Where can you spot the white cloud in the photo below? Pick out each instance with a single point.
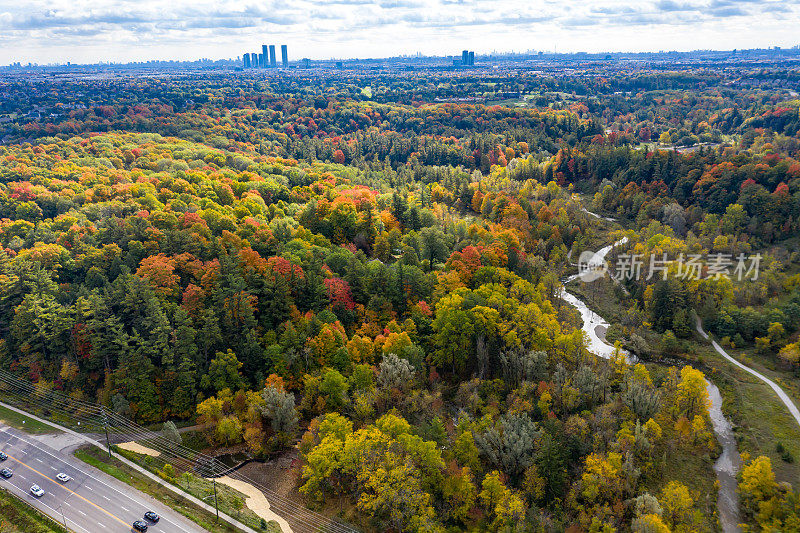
(91, 30)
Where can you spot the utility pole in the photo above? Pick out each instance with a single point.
(105, 427)
(62, 516)
(215, 497)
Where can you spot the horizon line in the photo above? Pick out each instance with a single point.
(533, 54)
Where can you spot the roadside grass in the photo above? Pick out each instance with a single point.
(198, 487)
(22, 422)
(16, 516)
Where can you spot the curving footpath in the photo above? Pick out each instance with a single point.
(779, 391)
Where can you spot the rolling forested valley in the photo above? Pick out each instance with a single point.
(366, 274)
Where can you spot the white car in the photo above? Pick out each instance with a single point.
(62, 477)
(37, 491)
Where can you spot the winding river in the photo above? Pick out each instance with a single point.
(728, 463)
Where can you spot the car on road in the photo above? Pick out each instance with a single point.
(37, 491)
(3, 456)
(153, 517)
(140, 526)
(62, 477)
(6, 473)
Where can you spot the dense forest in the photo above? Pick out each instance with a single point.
(288, 260)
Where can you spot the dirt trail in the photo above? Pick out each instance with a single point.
(135, 447)
(774, 386)
(256, 501)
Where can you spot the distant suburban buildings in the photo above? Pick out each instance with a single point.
(267, 58)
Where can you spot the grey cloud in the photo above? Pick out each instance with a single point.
(368, 19)
(671, 6)
(613, 10)
(386, 4)
(580, 21)
(52, 20)
(186, 19)
(727, 11)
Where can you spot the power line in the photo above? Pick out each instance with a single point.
(211, 464)
(286, 508)
(185, 459)
(216, 469)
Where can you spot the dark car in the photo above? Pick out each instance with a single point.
(140, 526)
(150, 515)
(6, 473)
(3, 456)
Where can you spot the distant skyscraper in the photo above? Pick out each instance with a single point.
(465, 57)
(265, 53)
(246, 60)
(471, 60)
(253, 60)
(306, 62)
(284, 56)
(272, 62)
(262, 60)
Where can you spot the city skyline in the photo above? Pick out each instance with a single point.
(60, 32)
(260, 60)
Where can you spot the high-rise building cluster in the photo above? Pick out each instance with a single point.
(467, 58)
(267, 58)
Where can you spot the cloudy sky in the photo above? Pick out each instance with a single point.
(101, 30)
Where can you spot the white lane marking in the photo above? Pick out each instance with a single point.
(55, 513)
(126, 510)
(173, 523)
(84, 514)
(41, 447)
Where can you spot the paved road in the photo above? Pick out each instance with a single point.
(91, 501)
(779, 391)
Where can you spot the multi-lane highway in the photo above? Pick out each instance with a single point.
(91, 501)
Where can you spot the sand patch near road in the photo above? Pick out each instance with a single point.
(135, 447)
(256, 501)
